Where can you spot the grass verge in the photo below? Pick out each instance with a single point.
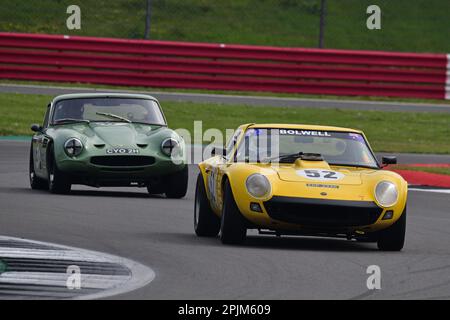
(407, 25)
(387, 131)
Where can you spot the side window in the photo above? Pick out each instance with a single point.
(233, 142)
(46, 118)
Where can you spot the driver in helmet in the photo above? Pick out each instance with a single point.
(69, 109)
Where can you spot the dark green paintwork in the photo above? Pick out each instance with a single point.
(97, 137)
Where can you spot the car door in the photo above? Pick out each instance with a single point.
(40, 144)
(215, 170)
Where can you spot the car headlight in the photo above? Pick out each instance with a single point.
(386, 194)
(258, 185)
(73, 147)
(170, 147)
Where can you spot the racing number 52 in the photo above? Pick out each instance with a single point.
(321, 174)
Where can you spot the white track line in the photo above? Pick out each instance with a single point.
(431, 190)
(224, 96)
(50, 255)
(88, 281)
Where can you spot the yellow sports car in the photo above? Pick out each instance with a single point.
(300, 180)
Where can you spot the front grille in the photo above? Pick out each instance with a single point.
(322, 212)
(123, 161)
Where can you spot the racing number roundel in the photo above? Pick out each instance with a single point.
(320, 174)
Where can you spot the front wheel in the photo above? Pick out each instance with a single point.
(393, 238)
(58, 182)
(177, 184)
(206, 223)
(233, 228)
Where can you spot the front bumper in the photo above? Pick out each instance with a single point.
(317, 213)
(118, 170)
(318, 216)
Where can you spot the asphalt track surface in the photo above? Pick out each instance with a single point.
(239, 99)
(158, 233)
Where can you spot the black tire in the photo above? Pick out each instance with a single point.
(206, 223)
(58, 182)
(36, 183)
(177, 184)
(233, 229)
(156, 188)
(393, 238)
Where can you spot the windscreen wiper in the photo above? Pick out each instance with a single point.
(288, 158)
(70, 120)
(353, 165)
(111, 115)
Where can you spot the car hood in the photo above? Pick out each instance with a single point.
(111, 134)
(320, 172)
(118, 134)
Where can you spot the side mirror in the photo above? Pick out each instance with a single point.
(218, 151)
(389, 160)
(36, 128)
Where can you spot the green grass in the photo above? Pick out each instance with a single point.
(445, 171)
(419, 25)
(387, 131)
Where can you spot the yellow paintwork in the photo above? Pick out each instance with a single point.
(358, 184)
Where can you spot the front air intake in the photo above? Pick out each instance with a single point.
(123, 161)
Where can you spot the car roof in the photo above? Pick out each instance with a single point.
(102, 95)
(300, 126)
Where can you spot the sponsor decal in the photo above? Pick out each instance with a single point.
(312, 133)
(357, 137)
(320, 174)
(212, 185)
(319, 185)
(122, 151)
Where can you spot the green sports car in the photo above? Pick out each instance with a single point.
(107, 140)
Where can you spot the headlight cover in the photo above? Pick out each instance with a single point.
(170, 147)
(386, 194)
(258, 186)
(73, 147)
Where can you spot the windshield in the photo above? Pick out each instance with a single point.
(337, 148)
(108, 109)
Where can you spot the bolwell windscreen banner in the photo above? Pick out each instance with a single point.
(236, 159)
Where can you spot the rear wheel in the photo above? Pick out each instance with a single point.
(206, 223)
(177, 184)
(233, 228)
(58, 182)
(36, 183)
(393, 238)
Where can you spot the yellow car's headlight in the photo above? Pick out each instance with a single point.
(258, 186)
(386, 194)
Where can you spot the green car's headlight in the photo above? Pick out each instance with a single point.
(386, 194)
(73, 147)
(170, 147)
(258, 186)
